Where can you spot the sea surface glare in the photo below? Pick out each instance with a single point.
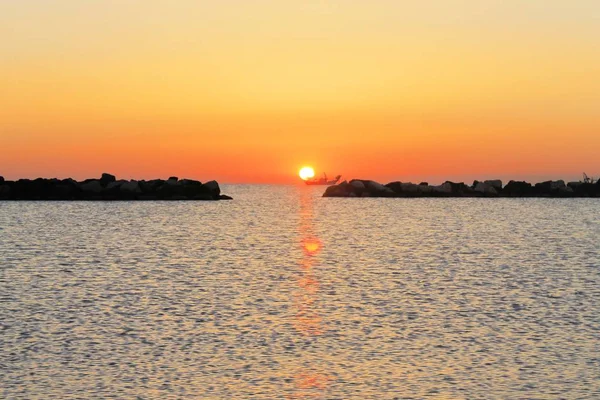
(282, 294)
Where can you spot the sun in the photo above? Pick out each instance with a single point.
(306, 173)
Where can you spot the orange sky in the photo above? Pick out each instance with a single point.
(249, 91)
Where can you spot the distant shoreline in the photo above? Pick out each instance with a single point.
(108, 188)
(486, 189)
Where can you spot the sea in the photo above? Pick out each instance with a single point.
(283, 294)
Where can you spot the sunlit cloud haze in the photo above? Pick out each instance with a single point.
(249, 91)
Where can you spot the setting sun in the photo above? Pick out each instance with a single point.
(306, 173)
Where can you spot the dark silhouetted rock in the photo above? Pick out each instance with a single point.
(553, 189)
(1, 179)
(444, 189)
(357, 185)
(225, 197)
(107, 178)
(213, 187)
(485, 189)
(4, 192)
(131, 187)
(92, 187)
(495, 183)
(344, 189)
(518, 189)
(410, 189)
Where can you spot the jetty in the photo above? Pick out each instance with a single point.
(488, 188)
(107, 187)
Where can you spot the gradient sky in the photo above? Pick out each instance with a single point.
(249, 91)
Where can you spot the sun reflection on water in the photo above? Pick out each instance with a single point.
(308, 382)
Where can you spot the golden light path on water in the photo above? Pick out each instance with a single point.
(311, 382)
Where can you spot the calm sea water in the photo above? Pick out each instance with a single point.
(282, 294)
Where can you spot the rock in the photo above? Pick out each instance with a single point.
(560, 184)
(1, 179)
(495, 183)
(574, 185)
(485, 188)
(93, 186)
(344, 189)
(358, 185)
(444, 189)
(185, 182)
(172, 180)
(587, 190)
(411, 187)
(549, 188)
(373, 186)
(460, 189)
(4, 191)
(213, 187)
(425, 190)
(225, 197)
(517, 189)
(107, 178)
(411, 190)
(115, 185)
(131, 187)
(396, 187)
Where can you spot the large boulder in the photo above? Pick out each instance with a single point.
(93, 186)
(4, 192)
(396, 187)
(518, 189)
(116, 185)
(213, 187)
(485, 189)
(376, 189)
(460, 189)
(344, 189)
(495, 183)
(357, 185)
(405, 189)
(373, 186)
(425, 189)
(444, 189)
(551, 188)
(1, 179)
(410, 189)
(574, 185)
(131, 187)
(106, 179)
(150, 187)
(186, 182)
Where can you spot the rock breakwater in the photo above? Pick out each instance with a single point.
(489, 188)
(107, 187)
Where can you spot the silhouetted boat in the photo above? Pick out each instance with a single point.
(323, 180)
